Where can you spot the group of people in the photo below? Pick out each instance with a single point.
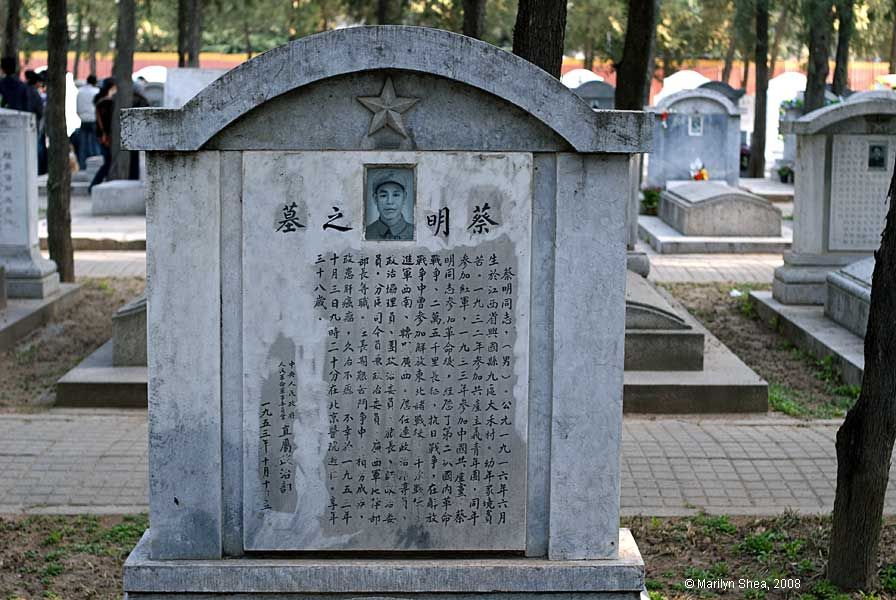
(94, 104)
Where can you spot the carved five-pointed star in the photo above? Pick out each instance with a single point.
(387, 109)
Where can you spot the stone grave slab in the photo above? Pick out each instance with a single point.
(129, 334)
(707, 208)
(849, 295)
(118, 197)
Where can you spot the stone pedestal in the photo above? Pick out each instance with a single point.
(28, 275)
(119, 197)
(849, 296)
(129, 334)
(706, 208)
(844, 163)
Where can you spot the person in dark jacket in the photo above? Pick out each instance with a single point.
(105, 106)
(13, 93)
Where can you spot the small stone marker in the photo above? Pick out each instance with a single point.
(845, 155)
(598, 94)
(693, 125)
(707, 208)
(376, 329)
(28, 275)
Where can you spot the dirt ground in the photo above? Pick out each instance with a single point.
(30, 370)
(799, 385)
(80, 558)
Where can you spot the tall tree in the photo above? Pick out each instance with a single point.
(632, 71)
(122, 70)
(780, 30)
(91, 44)
(539, 33)
(844, 34)
(474, 18)
(819, 16)
(729, 53)
(893, 43)
(865, 440)
(59, 218)
(183, 24)
(194, 33)
(12, 31)
(757, 146)
(79, 26)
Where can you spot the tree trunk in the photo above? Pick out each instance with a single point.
(150, 40)
(194, 34)
(79, 25)
(474, 18)
(819, 42)
(539, 33)
(780, 27)
(382, 12)
(757, 146)
(865, 440)
(893, 41)
(122, 70)
(91, 46)
(745, 76)
(633, 71)
(729, 54)
(588, 51)
(247, 40)
(844, 34)
(59, 218)
(183, 24)
(13, 30)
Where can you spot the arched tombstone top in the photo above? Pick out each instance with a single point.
(698, 100)
(874, 115)
(723, 88)
(872, 95)
(472, 67)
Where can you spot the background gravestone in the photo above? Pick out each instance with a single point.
(599, 95)
(28, 274)
(694, 125)
(364, 334)
(844, 164)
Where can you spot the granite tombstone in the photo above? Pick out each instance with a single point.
(599, 95)
(844, 163)
(364, 335)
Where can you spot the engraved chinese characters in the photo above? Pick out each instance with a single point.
(386, 381)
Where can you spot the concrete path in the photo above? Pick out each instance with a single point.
(742, 268)
(76, 461)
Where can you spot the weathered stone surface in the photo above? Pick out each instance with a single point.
(347, 51)
(699, 124)
(118, 197)
(843, 166)
(28, 275)
(599, 95)
(2, 287)
(849, 295)
(182, 84)
(129, 334)
(707, 208)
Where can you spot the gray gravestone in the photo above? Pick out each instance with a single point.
(695, 125)
(28, 275)
(733, 94)
(363, 334)
(118, 197)
(129, 334)
(2, 287)
(599, 95)
(844, 163)
(849, 295)
(184, 83)
(707, 208)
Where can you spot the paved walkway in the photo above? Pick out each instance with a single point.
(742, 268)
(76, 461)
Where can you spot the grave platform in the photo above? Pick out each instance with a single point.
(664, 239)
(810, 330)
(97, 383)
(80, 187)
(770, 189)
(119, 232)
(418, 578)
(23, 315)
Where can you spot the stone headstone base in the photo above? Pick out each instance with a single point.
(97, 383)
(810, 330)
(120, 197)
(44, 286)
(508, 578)
(22, 316)
(802, 279)
(664, 239)
(849, 296)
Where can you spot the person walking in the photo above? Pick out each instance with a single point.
(104, 102)
(88, 145)
(35, 105)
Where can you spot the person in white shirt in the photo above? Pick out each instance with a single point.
(88, 143)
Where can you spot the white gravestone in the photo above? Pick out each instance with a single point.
(184, 83)
(28, 275)
(395, 324)
(844, 161)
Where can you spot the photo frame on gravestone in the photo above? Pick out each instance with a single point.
(386, 388)
(389, 202)
(877, 156)
(695, 125)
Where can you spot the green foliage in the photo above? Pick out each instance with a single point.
(782, 399)
(758, 544)
(714, 525)
(887, 577)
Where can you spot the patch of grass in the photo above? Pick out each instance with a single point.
(784, 399)
(720, 524)
(759, 544)
(887, 577)
(825, 590)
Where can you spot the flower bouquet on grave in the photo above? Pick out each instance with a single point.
(698, 171)
(664, 118)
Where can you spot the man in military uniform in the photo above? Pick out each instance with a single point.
(390, 196)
